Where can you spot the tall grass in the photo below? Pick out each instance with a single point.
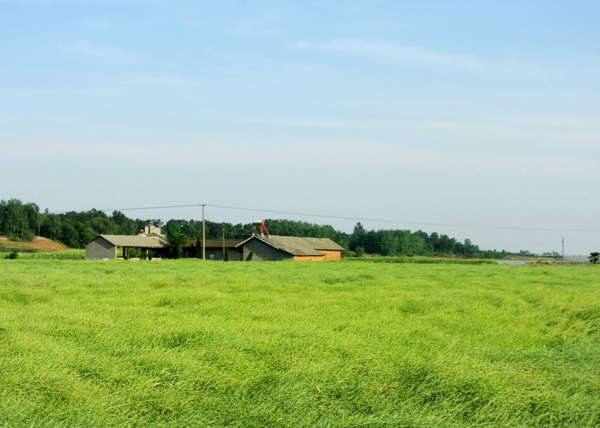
(10, 248)
(192, 343)
(423, 260)
(50, 255)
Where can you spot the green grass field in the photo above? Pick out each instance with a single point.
(49, 255)
(191, 343)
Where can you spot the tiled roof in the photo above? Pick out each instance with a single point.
(299, 246)
(138, 241)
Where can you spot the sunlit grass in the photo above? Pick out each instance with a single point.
(92, 343)
(49, 255)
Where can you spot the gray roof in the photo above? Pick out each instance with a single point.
(299, 246)
(138, 241)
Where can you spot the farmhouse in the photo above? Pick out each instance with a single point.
(255, 248)
(105, 246)
(290, 247)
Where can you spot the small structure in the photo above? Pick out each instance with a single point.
(259, 227)
(105, 246)
(290, 248)
(215, 249)
(151, 229)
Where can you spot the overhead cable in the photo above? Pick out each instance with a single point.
(466, 226)
(407, 222)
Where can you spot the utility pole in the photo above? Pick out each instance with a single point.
(563, 250)
(203, 234)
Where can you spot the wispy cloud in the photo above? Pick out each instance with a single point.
(96, 25)
(173, 81)
(398, 52)
(420, 56)
(578, 132)
(332, 156)
(258, 28)
(109, 54)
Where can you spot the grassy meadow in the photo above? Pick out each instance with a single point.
(72, 254)
(192, 343)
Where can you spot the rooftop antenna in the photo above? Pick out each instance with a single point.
(259, 226)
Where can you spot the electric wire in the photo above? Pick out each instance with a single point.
(407, 222)
(376, 220)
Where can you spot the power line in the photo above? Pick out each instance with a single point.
(407, 222)
(152, 208)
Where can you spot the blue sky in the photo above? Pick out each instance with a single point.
(455, 112)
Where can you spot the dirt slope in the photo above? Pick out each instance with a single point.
(38, 243)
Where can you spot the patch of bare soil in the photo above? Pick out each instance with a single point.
(38, 243)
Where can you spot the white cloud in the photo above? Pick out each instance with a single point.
(424, 57)
(526, 130)
(109, 54)
(165, 81)
(311, 155)
(397, 52)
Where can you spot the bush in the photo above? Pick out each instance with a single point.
(134, 253)
(249, 258)
(13, 255)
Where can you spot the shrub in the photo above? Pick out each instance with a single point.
(249, 258)
(133, 253)
(13, 255)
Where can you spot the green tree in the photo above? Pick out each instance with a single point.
(69, 236)
(32, 212)
(469, 249)
(594, 257)
(358, 236)
(14, 218)
(176, 242)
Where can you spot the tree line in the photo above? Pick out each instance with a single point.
(23, 221)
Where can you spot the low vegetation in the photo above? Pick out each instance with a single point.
(51, 255)
(426, 260)
(192, 343)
